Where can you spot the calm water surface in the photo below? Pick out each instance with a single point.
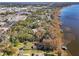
(70, 20)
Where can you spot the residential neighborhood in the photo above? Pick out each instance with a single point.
(35, 29)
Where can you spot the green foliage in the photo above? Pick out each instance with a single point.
(24, 34)
(25, 22)
(39, 12)
(24, 37)
(12, 39)
(6, 13)
(22, 31)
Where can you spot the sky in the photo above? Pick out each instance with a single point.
(38, 0)
(25, 0)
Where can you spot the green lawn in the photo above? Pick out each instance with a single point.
(28, 51)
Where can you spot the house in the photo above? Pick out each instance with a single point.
(2, 24)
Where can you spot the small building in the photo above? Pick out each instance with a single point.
(23, 13)
(2, 24)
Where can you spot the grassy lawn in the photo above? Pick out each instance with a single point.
(19, 45)
(28, 51)
(29, 45)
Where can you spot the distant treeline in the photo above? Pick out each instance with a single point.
(21, 4)
(49, 4)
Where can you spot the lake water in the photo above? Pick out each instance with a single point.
(70, 20)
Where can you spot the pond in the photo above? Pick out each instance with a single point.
(70, 19)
